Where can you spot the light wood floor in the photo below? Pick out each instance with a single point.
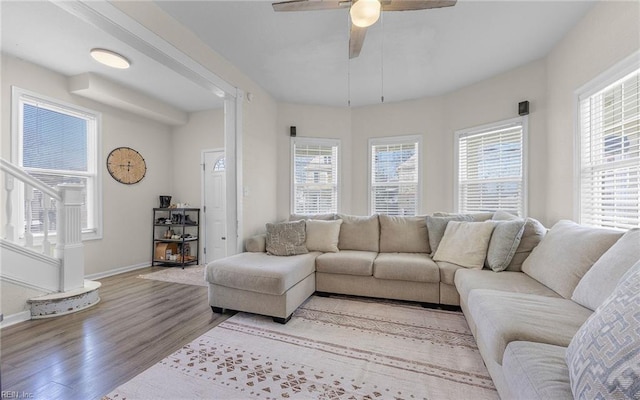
(85, 355)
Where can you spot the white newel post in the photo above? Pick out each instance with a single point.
(9, 232)
(69, 247)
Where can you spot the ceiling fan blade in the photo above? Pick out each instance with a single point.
(310, 5)
(408, 5)
(356, 40)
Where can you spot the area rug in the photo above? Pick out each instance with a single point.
(192, 275)
(332, 348)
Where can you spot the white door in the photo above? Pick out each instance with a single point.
(214, 206)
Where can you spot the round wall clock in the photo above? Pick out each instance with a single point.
(126, 165)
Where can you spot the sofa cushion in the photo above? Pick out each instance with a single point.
(604, 356)
(467, 280)
(465, 243)
(286, 238)
(566, 253)
(505, 240)
(256, 243)
(503, 317)
(436, 225)
(323, 235)
(359, 233)
(533, 233)
(598, 283)
(347, 262)
(414, 267)
(536, 371)
(447, 271)
(261, 272)
(403, 234)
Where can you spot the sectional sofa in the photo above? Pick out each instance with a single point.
(528, 293)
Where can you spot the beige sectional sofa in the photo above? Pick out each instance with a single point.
(523, 317)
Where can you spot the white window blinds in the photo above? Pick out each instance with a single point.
(315, 176)
(395, 176)
(491, 168)
(610, 155)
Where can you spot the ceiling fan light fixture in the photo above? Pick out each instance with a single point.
(365, 13)
(110, 58)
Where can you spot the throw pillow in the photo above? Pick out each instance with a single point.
(286, 238)
(566, 253)
(323, 235)
(359, 233)
(465, 243)
(598, 283)
(403, 234)
(504, 243)
(603, 357)
(436, 225)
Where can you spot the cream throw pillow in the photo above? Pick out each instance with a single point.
(465, 243)
(323, 235)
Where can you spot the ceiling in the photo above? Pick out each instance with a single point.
(302, 57)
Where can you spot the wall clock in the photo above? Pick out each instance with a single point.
(126, 165)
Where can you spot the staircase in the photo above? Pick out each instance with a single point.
(46, 267)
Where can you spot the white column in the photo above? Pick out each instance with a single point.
(28, 212)
(69, 247)
(9, 231)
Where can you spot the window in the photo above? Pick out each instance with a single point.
(57, 143)
(491, 168)
(609, 159)
(394, 177)
(315, 176)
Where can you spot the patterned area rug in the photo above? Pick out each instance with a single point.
(333, 348)
(192, 275)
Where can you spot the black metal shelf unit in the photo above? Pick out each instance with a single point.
(176, 236)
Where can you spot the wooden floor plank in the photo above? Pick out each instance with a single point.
(85, 355)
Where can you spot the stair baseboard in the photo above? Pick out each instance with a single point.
(57, 304)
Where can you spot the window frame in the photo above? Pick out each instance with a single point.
(93, 191)
(319, 142)
(600, 83)
(522, 121)
(395, 140)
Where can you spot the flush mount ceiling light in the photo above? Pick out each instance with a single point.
(110, 58)
(365, 13)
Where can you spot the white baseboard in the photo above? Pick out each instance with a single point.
(15, 318)
(116, 271)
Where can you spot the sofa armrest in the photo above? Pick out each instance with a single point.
(256, 244)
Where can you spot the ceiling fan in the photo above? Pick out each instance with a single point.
(364, 13)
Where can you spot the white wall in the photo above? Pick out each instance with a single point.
(205, 130)
(609, 33)
(127, 208)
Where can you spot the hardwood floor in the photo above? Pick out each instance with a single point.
(85, 355)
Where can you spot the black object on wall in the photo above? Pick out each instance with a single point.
(523, 108)
(292, 131)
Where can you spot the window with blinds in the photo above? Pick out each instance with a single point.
(490, 168)
(610, 154)
(57, 144)
(315, 176)
(395, 175)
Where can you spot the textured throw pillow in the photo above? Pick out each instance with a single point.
(323, 235)
(598, 283)
(566, 253)
(286, 238)
(436, 225)
(359, 233)
(403, 234)
(504, 243)
(604, 355)
(465, 243)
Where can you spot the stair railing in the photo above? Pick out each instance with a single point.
(68, 201)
